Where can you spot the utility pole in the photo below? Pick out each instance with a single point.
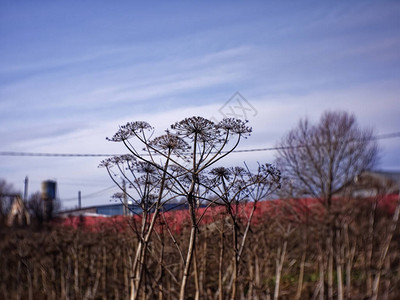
(79, 200)
(26, 189)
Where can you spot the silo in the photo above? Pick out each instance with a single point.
(48, 195)
(49, 189)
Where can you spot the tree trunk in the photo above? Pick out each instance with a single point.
(339, 266)
(350, 252)
(329, 246)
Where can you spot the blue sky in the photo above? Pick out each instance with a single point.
(72, 71)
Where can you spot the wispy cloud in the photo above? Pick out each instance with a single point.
(67, 82)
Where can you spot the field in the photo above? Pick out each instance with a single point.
(294, 250)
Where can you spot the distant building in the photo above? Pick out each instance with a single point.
(115, 210)
(18, 215)
(373, 183)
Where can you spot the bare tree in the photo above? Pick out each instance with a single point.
(320, 160)
(35, 207)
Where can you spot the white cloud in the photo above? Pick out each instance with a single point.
(288, 62)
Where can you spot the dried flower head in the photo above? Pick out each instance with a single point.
(268, 175)
(144, 167)
(205, 130)
(221, 172)
(235, 126)
(170, 142)
(118, 159)
(129, 130)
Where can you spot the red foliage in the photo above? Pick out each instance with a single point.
(293, 209)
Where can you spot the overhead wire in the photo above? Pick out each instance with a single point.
(93, 194)
(38, 154)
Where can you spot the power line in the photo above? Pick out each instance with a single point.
(13, 153)
(89, 195)
(377, 137)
